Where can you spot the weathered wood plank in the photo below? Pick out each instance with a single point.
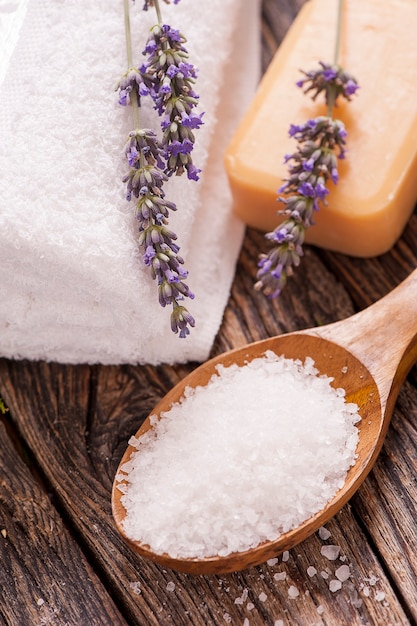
(82, 489)
(314, 298)
(44, 575)
(367, 280)
(75, 421)
(387, 503)
(276, 19)
(71, 411)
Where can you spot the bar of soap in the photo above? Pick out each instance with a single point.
(377, 190)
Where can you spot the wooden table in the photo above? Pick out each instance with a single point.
(62, 562)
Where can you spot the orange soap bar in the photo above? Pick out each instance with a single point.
(377, 189)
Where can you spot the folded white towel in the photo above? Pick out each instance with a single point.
(73, 286)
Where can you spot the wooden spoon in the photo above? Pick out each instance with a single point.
(368, 354)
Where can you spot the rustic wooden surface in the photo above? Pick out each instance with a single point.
(63, 563)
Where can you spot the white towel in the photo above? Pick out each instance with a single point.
(73, 286)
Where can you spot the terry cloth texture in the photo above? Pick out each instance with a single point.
(73, 285)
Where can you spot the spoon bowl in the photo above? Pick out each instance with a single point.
(363, 357)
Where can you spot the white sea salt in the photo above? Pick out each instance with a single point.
(272, 562)
(262, 596)
(335, 585)
(293, 592)
(285, 556)
(251, 455)
(324, 533)
(170, 586)
(343, 573)
(355, 600)
(135, 587)
(372, 580)
(280, 576)
(330, 552)
(311, 571)
(242, 599)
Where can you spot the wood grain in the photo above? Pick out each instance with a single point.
(67, 429)
(44, 574)
(204, 597)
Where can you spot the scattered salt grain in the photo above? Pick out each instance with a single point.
(324, 533)
(250, 606)
(272, 562)
(320, 609)
(242, 599)
(272, 425)
(379, 596)
(342, 573)
(262, 596)
(311, 571)
(171, 586)
(135, 587)
(330, 552)
(293, 591)
(372, 580)
(285, 556)
(227, 618)
(324, 574)
(40, 602)
(279, 622)
(355, 600)
(245, 622)
(335, 585)
(280, 576)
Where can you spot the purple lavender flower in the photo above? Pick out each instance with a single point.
(166, 77)
(131, 81)
(144, 181)
(320, 142)
(170, 77)
(332, 79)
(180, 320)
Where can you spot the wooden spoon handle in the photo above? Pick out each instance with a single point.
(383, 336)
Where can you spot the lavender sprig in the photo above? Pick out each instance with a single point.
(321, 142)
(144, 182)
(333, 80)
(312, 165)
(146, 158)
(169, 77)
(131, 81)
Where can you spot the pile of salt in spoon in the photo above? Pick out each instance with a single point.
(258, 450)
